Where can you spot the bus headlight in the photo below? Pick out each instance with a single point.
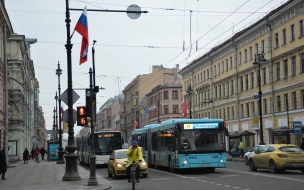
(185, 162)
(222, 161)
(119, 165)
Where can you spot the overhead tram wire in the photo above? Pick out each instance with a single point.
(184, 27)
(197, 25)
(197, 40)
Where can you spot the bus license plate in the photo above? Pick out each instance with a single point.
(204, 165)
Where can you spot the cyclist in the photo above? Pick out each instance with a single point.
(134, 155)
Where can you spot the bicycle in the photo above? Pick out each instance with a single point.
(133, 173)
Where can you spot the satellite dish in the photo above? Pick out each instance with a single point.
(136, 8)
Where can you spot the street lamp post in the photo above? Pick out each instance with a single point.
(158, 106)
(259, 58)
(60, 159)
(54, 121)
(71, 169)
(56, 109)
(189, 91)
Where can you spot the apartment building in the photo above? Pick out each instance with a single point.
(225, 80)
(137, 89)
(170, 102)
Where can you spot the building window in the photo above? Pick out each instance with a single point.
(256, 48)
(293, 65)
(240, 56)
(252, 79)
(175, 108)
(228, 113)
(278, 71)
(301, 31)
(264, 75)
(232, 89)
(219, 68)
(220, 91)
(227, 88)
(258, 75)
(226, 64)
(252, 108)
(224, 114)
(294, 100)
(245, 55)
(223, 67)
(292, 36)
(284, 36)
(285, 68)
(276, 37)
(250, 53)
(214, 70)
(166, 110)
(262, 44)
(265, 106)
(247, 109)
(221, 114)
(207, 74)
(279, 103)
(204, 75)
(246, 82)
(242, 111)
(216, 115)
(302, 63)
(175, 94)
(241, 84)
(286, 102)
(166, 95)
(232, 112)
(223, 86)
(302, 98)
(230, 62)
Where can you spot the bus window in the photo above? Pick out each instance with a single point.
(154, 141)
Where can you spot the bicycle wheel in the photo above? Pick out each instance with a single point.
(133, 178)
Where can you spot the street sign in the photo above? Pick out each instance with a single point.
(255, 120)
(297, 127)
(257, 96)
(142, 111)
(66, 116)
(147, 111)
(64, 96)
(52, 132)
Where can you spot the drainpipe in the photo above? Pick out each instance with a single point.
(236, 79)
(271, 66)
(211, 86)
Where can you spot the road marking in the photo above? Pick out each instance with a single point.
(229, 175)
(227, 185)
(161, 179)
(211, 182)
(264, 175)
(218, 184)
(236, 187)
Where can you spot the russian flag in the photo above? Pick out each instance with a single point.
(82, 28)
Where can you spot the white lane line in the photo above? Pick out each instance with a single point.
(264, 175)
(211, 182)
(218, 184)
(205, 181)
(227, 185)
(236, 187)
(229, 175)
(161, 179)
(169, 173)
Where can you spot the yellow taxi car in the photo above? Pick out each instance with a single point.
(117, 164)
(277, 158)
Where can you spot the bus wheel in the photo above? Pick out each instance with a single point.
(172, 169)
(155, 162)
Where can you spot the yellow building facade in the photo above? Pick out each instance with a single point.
(225, 80)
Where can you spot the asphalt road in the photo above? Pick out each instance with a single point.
(235, 176)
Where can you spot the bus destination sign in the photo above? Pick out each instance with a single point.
(201, 126)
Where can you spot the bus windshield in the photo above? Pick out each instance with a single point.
(107, 142)
(202, 140)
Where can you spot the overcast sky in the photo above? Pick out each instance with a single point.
(123, 47)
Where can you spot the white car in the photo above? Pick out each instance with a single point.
(250, 152)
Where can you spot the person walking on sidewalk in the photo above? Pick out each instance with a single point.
(32, 154)
(26, 155)
(241, 147)
(42, 152)
(3, 164)
(37, 152)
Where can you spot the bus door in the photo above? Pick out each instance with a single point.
(175, 147)
(159, 149)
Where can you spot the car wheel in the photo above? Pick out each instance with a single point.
(251, 165)
(246, 161)
(273, 167)
(114, 174)
(145, 175)
(109, 174)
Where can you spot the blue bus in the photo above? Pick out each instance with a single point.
(184, 144)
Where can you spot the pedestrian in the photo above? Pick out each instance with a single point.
(37, 152)
(42, 152)
(302, 143)
(32, 153)
(26, 155)
(3, 163)
(241, 147)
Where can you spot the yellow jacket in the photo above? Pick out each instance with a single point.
(241, 146)
(134, 155)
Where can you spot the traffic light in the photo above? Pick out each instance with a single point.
(81, 116)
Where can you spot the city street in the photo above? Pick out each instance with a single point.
(236, 176)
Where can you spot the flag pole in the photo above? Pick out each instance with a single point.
(72, 34)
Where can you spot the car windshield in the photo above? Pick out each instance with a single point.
(290, 149)
(202, 140)
(121, 154)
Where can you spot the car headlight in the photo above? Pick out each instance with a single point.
(185, 162)
(119, 165)
(143, 163)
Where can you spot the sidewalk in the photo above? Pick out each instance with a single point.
(46, 175)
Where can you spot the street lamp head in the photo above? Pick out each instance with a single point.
(189, 90)
(262, 56)
(94, 41)
(56, 97)
(58, 70)
(255, 60)
(158, 104)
